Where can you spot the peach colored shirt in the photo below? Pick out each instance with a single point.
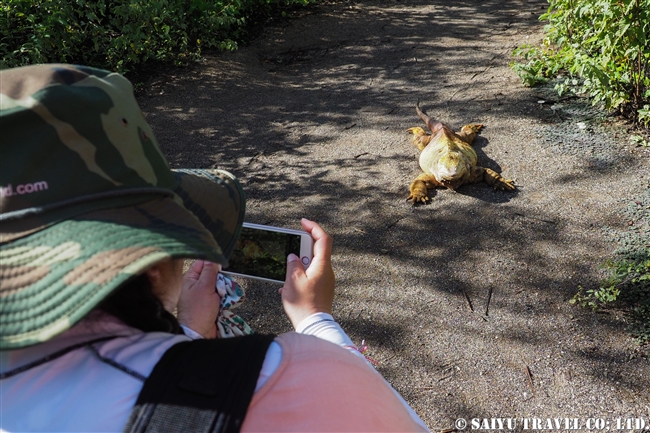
(313, 385)
(320, 387)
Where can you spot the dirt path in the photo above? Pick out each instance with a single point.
(463, 302)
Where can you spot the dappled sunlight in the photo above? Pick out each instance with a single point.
(456, 298)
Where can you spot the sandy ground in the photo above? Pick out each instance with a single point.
(464, 301)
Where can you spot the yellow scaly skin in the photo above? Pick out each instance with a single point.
(448, 160)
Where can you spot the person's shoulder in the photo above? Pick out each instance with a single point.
(316, 363)
(320, 386)
(142, 350)
(304, 348)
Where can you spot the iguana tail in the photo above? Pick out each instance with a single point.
(433, 125)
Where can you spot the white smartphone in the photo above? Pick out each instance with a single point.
(261, 252)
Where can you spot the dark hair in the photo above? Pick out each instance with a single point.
(134, 304)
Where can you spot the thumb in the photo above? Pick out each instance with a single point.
(208, 274)
(294, 268)
(195, 270)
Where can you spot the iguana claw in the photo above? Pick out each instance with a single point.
(497, 181)
(417, 198)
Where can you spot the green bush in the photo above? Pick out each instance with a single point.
(629, 286)
(602, 47)
(628, 281)
(120, 34)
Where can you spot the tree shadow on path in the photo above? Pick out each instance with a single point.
(312, 118)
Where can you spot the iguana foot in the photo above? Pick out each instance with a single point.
(419, 196)
(474, 127)
(419, 188)
(468, 132)
(497, 181)
(420, 137)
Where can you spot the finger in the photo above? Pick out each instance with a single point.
(194, 272)
(313, 228)
(322, 241)
(208, 277)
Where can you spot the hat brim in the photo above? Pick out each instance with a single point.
(54, 277)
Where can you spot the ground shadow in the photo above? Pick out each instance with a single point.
(312, 120)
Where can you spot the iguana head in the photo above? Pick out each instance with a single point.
(451, 170)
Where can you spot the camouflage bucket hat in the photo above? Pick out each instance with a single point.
(87, 199)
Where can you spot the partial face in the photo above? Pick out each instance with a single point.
(166, 281)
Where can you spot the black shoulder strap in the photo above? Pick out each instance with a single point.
(200, 386)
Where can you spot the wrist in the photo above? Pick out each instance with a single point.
(191, 333)
(196, 327)
(312, 319)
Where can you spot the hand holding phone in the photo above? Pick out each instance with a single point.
(311, 290)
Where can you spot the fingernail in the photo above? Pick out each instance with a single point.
(292, 258)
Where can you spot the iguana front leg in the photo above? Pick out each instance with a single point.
(468, 132)
(419, 187)
(420, 138)
(492, 178)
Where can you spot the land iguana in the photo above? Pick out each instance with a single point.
(448, 159)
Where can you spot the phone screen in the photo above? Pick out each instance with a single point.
(263, 253)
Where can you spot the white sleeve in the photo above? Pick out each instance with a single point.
(191, 333)
(323, 325)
